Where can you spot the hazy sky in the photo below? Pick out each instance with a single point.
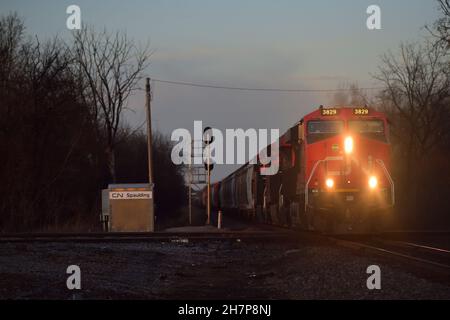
(259, 43)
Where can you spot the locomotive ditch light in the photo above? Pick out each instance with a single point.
(329, 183)
(373, 182)
(348, 145)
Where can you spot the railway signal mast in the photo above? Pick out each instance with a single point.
(196, 173)
(209, 166)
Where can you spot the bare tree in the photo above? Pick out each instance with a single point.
(11, 33)
(417, 90)
(441, 28)
(53, 148)
(111, 66)
(416, 97)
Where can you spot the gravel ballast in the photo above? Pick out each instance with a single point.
(224, 269)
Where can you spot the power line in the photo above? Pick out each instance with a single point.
(210, 86)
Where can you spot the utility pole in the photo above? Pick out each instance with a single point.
(148, 105)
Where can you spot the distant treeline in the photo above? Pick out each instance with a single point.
(62, 138)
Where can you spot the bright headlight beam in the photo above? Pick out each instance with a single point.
(373, 182)
(329, 183)
(348, 145)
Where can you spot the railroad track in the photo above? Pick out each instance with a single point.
(418, 248)
(430, 258)
(434, 260)
(426, 257)
(144, 236)
(386, 244)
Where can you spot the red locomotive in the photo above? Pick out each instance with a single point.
(334, 175)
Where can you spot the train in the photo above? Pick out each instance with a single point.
(334, 176)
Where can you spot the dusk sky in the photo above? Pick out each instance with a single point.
(273, 44)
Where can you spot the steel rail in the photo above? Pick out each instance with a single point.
(157, 236)
(437, 267)
(424, 248)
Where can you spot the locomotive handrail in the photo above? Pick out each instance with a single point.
(391, 181)
(312, 173)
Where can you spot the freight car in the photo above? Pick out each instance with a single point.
(334, 175)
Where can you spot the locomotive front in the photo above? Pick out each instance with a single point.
(347, 170)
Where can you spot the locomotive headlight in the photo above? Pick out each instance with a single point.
(329, 183)
(373, 182)
(348, 145)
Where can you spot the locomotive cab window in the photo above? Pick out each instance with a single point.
(319, 130)
(373, 129)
